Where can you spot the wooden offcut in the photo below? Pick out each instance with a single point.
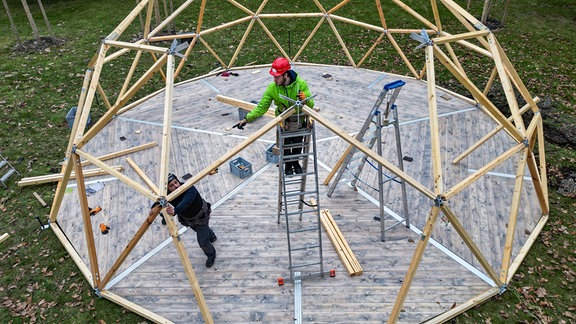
(42, 202)
(342, 248)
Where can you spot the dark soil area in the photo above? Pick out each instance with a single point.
(44, 44)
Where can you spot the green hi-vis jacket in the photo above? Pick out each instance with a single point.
(273, 93)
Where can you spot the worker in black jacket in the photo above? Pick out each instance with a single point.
(193, 211)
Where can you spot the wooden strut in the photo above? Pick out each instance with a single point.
(59, 176)
(130, 246)
(416, 258)
(88, 232)
(342, 248)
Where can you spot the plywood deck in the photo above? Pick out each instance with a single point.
(252, 247)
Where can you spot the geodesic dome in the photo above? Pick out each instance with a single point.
(476, 186)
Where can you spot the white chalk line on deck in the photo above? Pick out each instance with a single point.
(191, 129)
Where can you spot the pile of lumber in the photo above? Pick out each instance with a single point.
(344, 252)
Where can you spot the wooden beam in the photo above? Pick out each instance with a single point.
(482, 171)
(373, 155)
(117, 32)
(516, 78)
(188, 269)
(478, 95)
(61, 188)
(459, 309)
(526, 248)
(87, 222)
(489, 135)
(129, 75)
(238, 148)
(416, 258)
(134, 307)
(402, 55)
(122, 152)
(30, 181)
(4, 237)
(107, 117)
(166, 128)
(470, 243)
(79, 107)
(434, 127)
(506, 85)
(131, 183)
(244, 105)
(338, 165)
(513, 218)
(143, 175)
(340, 245)
(542, 164)
(130, 246)
(72, 252)
(97, 71)
(457, 37)
(42, 202)
(137, 47)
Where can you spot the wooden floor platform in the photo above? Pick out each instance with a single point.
(252, 247)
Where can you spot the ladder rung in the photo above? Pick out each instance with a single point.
(302, 132)
(294, 181)
(7, 175)
(307, 229)
(304, 265)
(315, 246)
(299, 193)
(300, 212)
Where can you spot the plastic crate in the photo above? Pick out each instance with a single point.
(241, 168)
(72, 115)
(270, 156)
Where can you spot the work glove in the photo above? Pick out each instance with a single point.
(240, 124)
(301, 95)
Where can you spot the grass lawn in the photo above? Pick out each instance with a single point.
(39, 281)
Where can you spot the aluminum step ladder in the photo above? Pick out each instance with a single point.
(299, 204)
(7, 169)
(370, 135)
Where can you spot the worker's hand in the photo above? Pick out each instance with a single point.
(241, 124)
(170, 210)
(301, 95)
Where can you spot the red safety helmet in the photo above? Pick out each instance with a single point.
(279, 66)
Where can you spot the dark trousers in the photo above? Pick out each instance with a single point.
(203, 234)
(293, 140)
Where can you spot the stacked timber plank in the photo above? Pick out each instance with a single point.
(342, 248)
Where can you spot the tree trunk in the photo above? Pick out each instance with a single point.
(505, 12)
(12, 25)
(45, 18)
(31, 20)
(486, 11)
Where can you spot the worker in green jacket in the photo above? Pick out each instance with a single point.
(289, 84)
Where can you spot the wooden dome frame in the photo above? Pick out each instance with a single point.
(478, 39)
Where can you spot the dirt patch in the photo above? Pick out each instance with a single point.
(42, 45)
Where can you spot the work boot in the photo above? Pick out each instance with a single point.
(288, 168)
(210, 261)
(297, 168)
